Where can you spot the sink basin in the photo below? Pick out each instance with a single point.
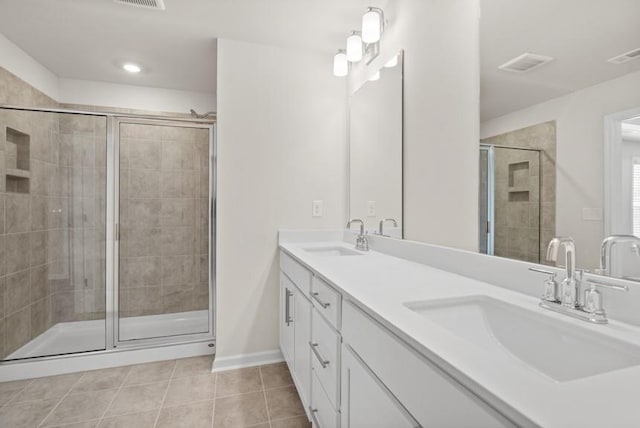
(332, 251)
(557, 349)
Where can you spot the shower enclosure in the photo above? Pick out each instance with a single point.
(509, 202)
(106, 232)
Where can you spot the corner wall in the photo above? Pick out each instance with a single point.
(281, 145)
(440, 40)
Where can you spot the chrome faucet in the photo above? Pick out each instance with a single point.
(570, 285)
(568, 301)
(382, 222)
(361, 241)
(607, 246)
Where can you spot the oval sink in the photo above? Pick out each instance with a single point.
(332, 251)
(557, 349)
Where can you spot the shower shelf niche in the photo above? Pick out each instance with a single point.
(17, 163)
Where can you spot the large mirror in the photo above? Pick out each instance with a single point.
(375, 150)
(560, 131)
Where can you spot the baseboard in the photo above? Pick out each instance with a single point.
(232, 362)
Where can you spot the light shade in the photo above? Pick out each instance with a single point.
(131, 68)
(354, 47)
(375, 77)
(392, 62)
(372, 22)
(340, 64)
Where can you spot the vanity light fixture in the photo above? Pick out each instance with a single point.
(354, 47)
(132, 68)
(392, 62)
(375, 76)
(372, 25)
(340, 64)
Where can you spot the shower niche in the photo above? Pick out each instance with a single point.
(17, 160)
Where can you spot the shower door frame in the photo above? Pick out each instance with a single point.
(113, 210)
(20, 367)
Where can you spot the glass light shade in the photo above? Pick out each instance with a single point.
(392, 62)
(354, 47)
(371, 26)
(375, 77)
(340, 64)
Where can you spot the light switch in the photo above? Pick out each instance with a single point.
(371, 208)
(316, 210)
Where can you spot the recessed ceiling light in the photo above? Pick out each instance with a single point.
(132, 68)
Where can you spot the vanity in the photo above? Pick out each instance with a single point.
(399, 336)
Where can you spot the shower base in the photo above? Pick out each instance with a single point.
(82, 336)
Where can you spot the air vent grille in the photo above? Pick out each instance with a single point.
(147, 4)
(525, 62)
(625, 57)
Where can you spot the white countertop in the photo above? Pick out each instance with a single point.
(381, 284)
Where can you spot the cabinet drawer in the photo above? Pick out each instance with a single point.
(322, 413)
(300, 275)
(327, 300)
(325, 356)
(429, 394)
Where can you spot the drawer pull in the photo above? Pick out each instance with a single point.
(314, 347)
(313, 416)
(325, 305)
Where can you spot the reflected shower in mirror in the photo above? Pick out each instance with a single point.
(567, 94)
(375, 151)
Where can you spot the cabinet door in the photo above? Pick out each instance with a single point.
(366, 402)
(302, 353)
(287, 310)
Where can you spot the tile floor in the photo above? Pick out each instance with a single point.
(178, 394)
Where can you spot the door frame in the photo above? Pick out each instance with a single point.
(113, 213)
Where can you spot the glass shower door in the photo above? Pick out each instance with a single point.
(52, 233)
(164, 206)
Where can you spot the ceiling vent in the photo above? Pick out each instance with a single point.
(525, 62)
(147, 4)
(625, 57)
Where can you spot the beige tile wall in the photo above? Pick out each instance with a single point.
(52, 236)
(164, 185)
(539, 137)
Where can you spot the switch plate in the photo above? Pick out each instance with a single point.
(316, 210)
(371, 208)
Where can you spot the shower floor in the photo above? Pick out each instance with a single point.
(81, 336)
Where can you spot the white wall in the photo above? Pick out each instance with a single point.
(580, 150)
(281, 144)
(28, 69)
(441, 116)
(93, 93)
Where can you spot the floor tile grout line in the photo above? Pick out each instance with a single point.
(61, 400)
(15, 395)
(115, 396)
(264, 393)
(166, 392)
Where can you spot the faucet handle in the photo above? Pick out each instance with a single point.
(551, 286)
(616, 287)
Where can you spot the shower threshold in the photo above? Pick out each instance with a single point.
(83, 336)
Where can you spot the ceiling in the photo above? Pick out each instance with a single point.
(90, 39)
(580, 34)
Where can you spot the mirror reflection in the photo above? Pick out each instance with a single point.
(375, 151)
(560, 131)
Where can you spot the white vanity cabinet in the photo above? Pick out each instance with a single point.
(295, 322)
(352, 372)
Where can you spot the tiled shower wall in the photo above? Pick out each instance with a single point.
(50, 227)
(164, 202)
(540, 137)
